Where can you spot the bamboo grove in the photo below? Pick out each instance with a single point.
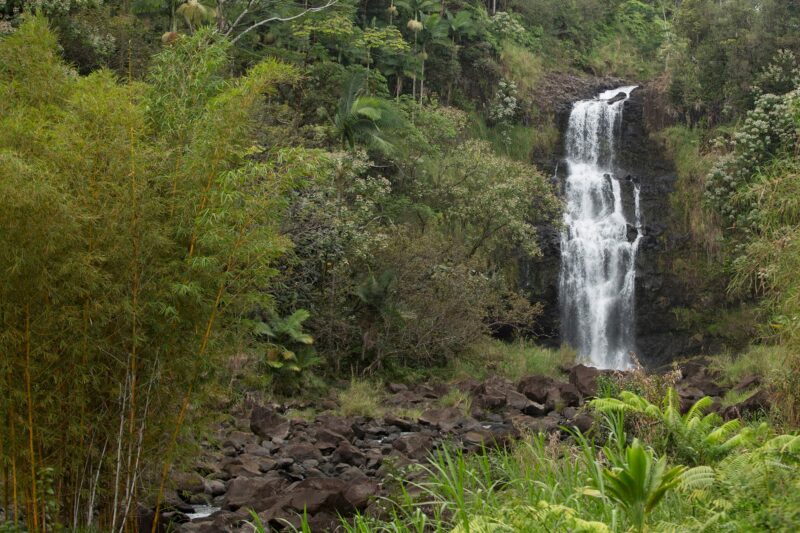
(137, 228)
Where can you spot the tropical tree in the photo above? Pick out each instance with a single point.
(417, 9)
(387, 39)
(460, 25)
(364, 119)
(434, 30)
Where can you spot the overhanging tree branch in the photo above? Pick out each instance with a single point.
(273, 19)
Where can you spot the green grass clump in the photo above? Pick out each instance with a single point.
(761, 361)
(361, 398)
(513, 360)
(456, 398)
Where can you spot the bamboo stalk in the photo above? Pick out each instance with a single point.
(6, 488)
(185, 403)
(130, 496)
(123, 393)
(14, 463)
(135, 286)
(30, 414)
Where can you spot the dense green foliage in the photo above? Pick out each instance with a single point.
(309, 189)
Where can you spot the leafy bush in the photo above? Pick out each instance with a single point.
(767, 131)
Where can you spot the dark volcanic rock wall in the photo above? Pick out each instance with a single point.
(641, 161)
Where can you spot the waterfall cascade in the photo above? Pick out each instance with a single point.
(598, 243)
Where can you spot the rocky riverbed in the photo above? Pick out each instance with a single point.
(329, 466)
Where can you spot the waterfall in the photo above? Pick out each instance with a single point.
(598, 243)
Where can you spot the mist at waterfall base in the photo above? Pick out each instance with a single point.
(598, 244)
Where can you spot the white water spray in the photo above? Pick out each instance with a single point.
(598, 247)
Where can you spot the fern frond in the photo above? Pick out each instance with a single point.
(722, 432)
(699, 407)
(699, 478)
(784, 444)
(610, 405)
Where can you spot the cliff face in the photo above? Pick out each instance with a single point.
(641, 162)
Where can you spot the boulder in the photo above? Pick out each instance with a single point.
(524, 423)
(428, 392)
(477, 437)
(268, 424)
(301, 452)
(360, 491)
(517, 400)
(584, 378)
(692, 368)
(492, 393)
(707, 386)
(394, 388)
(536, 387)
(251, 492)
(562, 395)
(256, 450)
(446, 419)
(238, 440)
(188, 484)
(401, 423)
(414, 446)
(336, 424)
(617, 98)
(323, 522)
(748, 382)
(466, 385)
(215, 487)
(582, 422)
(318, 494)
(242, 466)
(325, 435)
(757, 404)
(348, 454)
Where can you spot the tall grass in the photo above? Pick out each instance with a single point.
(522, 66)
(513, 360)
(538, 485)
(685, 148)
(518, 142)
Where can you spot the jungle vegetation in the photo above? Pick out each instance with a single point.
(328, 189)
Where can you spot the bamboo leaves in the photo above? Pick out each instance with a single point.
(135, 225)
